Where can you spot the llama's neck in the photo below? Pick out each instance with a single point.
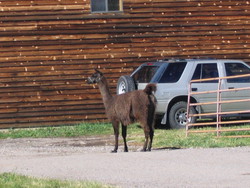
(104, 89)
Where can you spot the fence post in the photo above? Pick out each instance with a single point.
(218, 108)
(188, 106)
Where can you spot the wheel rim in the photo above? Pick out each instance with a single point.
(122, 87)
(181, 117)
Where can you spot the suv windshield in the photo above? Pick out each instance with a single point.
(173, 72)
(145, 74)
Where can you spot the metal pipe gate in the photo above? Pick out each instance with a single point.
(219, 111)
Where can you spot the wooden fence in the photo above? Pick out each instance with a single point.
(48, 48)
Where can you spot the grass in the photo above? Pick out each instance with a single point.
(163, 138)
(10, 180)
(178, 139)
(62, 131)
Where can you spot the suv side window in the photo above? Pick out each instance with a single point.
(145, 74)
(173, 72)
(233, 69)
(208, 70)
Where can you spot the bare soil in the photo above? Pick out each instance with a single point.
(89, 158)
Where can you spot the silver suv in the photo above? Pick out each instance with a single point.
(173, 76)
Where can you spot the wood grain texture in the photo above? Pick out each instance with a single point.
(48, 48)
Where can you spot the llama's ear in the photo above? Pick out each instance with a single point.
(98, 71)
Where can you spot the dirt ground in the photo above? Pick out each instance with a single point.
(89, 158)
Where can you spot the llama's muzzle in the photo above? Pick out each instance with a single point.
(90, 80)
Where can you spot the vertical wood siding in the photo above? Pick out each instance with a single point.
(48, 48)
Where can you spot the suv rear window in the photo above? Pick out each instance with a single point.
(173, 72)
(233, 69)
(145, 74)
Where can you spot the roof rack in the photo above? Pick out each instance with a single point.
(173, 59)
(205, 58)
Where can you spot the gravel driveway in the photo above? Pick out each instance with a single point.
(88, 158)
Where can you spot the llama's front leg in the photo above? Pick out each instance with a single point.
(124, 135)
(116, 133)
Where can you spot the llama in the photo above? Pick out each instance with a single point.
(136, 106)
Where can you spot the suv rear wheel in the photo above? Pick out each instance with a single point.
(125, 84)
(178, 115)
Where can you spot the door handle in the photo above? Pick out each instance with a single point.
(231, 88)
(194, 89)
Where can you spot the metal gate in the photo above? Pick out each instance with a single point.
(218, 112)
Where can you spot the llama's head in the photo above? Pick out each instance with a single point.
(95, 78)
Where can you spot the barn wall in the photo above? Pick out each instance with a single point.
(48, 48)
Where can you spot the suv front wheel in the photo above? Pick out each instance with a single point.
(177, 117)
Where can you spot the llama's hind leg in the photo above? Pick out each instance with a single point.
(124, 135)
(151, 136)
(146, 132)
(116, 133)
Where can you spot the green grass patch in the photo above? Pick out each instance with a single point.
(163, 138)
(10, 180)
(177, 138)
(84, 129)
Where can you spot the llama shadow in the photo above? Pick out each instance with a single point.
(167, 148)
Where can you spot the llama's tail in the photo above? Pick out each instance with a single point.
(150, 88)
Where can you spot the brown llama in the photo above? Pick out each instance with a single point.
(136, 106)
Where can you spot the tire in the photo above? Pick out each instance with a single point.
(125, 84)
(177, 118)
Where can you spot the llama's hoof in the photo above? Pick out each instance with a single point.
(143, 150)
(125, 150)
(114, 151)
